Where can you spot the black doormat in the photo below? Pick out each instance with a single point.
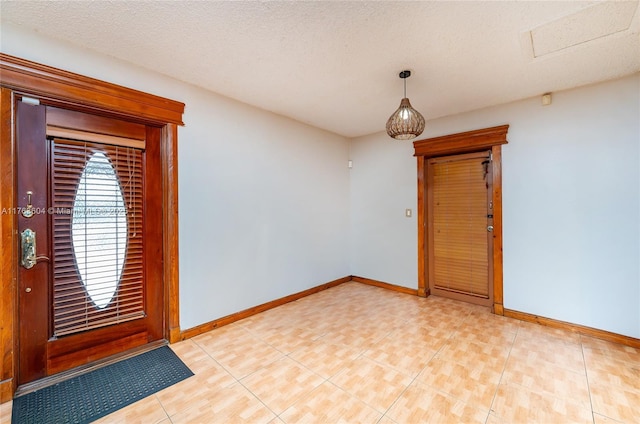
(90, 396)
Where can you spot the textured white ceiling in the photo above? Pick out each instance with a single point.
(335, 64)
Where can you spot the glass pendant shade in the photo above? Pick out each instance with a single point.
(406, 122)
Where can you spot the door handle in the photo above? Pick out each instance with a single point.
(28, 238)
(490, 228)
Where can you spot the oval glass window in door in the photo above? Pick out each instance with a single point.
(99, 229)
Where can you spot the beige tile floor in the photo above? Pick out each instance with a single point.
(361, 354)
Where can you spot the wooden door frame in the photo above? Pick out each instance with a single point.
(55, 87)
(466, 142)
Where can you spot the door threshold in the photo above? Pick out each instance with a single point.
(84, 369)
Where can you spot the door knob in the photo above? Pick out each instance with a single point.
(490, 228)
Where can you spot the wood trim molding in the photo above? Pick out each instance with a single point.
(8, 258)
(69, 91)
(171, 249)
(6, 391)
(382, 284)
(496, 257)
(574, 328)
(97, 138)
(423, 258)
(220, 322)
(65, 118)
(470, 141)
(86, 94)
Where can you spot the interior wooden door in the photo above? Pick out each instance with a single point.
(460, 224)
(89, 223)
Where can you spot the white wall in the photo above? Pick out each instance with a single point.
(264, 200)
(383, 184)
(263, 208)
(571, 200)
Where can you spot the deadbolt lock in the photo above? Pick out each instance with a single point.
(28, 211)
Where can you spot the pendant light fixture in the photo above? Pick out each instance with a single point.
(406, 122)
